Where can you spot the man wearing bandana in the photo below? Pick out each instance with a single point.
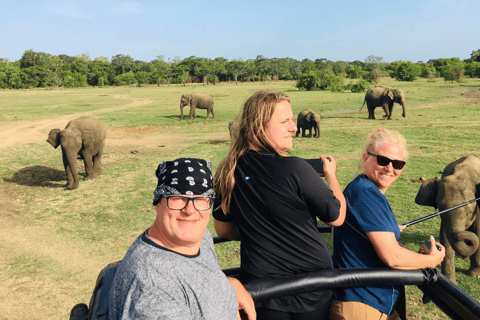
(171, 270)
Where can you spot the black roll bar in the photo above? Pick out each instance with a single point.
(448, 297)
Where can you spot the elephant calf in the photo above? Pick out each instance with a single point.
(197, 100)
(308, 120)
(83, 137)
(383, 97)
(459, 228)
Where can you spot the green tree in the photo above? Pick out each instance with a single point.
(474, 56)
(372, 62)
(122, 64)
(308, 81)
(31, 58)
(453, 70)
(472, 69)
(308, 65)
(427, 70)
(127, 78)
(336, 84)
(262, 66)
(100, 68)
(161, 71)
(353, 71)
(236, 68)
(406, 71)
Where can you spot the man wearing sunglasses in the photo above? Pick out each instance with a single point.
(171, 270)
(369, 236)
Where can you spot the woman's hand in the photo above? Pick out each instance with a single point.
(329, 165)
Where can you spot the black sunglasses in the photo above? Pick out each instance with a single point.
(384, 161)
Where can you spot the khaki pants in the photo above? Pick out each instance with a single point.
(349, 310)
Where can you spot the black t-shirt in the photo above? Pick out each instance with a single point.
(275, 203)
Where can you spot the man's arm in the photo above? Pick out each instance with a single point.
(245, 301)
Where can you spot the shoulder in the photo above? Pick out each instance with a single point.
(362, 188)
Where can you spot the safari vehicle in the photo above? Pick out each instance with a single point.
(453, 301)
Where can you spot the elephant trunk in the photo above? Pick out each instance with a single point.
(465, 243)
(403, 107)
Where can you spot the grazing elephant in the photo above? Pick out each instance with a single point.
(197, 100)
(83, 137)
(383, 97)
(309, 120)
(459, 228)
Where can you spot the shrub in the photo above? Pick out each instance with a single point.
(74, 80)
(406, 71)
(127, 78)
(308, 81)
(426, 70)
(101, 82)
(472, 69)
(454, 71)
(360, 86)
(141, 77)
(354, 72)
(336, 84)
(325, 77)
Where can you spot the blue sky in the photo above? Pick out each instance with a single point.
(340, 30)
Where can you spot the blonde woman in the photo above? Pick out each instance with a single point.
(368, 238)
(271, 202)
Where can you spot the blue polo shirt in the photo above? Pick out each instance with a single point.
(367, 210)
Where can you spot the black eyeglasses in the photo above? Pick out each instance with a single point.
(384, 161)
(176, 202)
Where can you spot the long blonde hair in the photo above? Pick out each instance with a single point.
(249, 133)
(376, 139)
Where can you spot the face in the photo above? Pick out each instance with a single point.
(383, 177)
(280, 128)
(181, 230)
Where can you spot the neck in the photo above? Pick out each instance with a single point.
(160, 239)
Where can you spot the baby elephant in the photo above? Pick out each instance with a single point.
(83, 137)
(459, 228)
(309, 120)
(197, 100)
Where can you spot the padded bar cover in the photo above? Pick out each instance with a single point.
(330, 279)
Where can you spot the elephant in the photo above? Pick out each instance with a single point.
(383, 97)
(197, 100)
(84, 138)
(459, 228)
(309, 120)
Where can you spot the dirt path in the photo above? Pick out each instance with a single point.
(34, 131)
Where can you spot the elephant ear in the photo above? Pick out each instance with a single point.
(54, 138)
(87, 138)
(309, 116)
(427, 194)
(390, 94)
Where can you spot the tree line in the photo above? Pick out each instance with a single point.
(39, 69)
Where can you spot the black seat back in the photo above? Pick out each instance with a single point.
(98, 308)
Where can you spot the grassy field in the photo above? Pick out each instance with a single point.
(55, 241)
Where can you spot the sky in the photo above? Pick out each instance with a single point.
(406, 30)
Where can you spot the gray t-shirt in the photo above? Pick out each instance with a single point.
(153, 282)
